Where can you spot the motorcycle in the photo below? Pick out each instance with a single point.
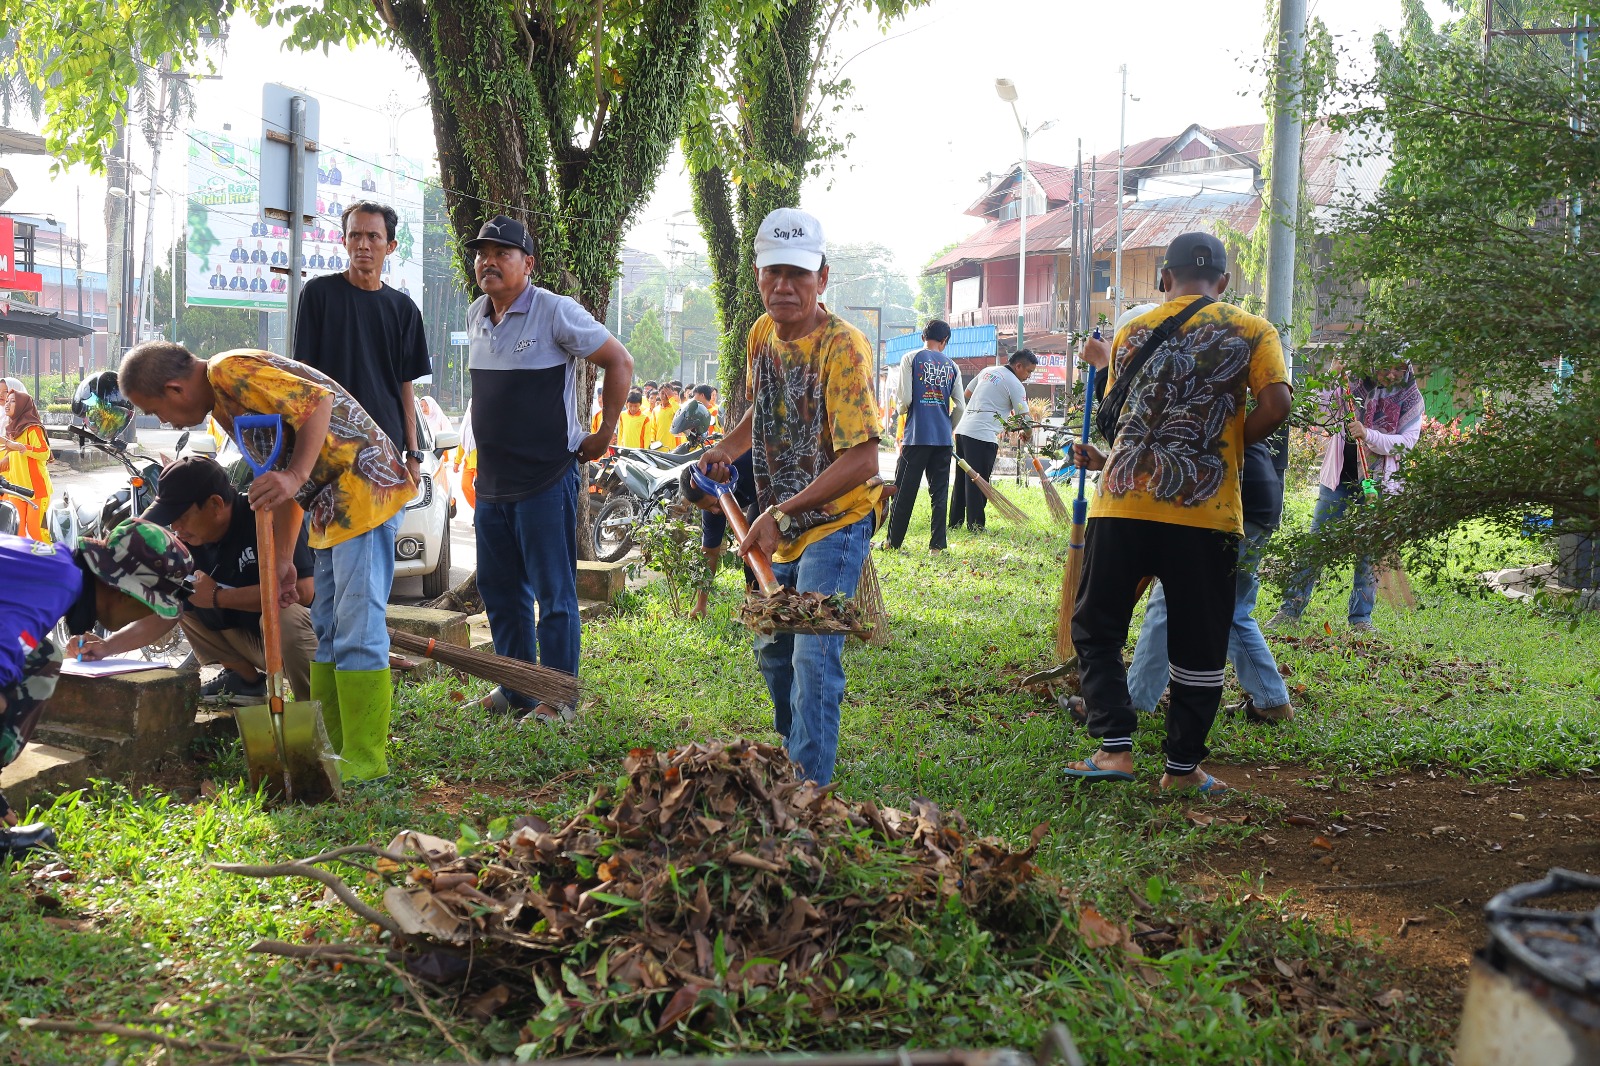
(645, 489)
(10, 517)
(70, 522)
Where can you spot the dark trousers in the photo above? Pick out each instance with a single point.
(527, 555)
(966, 501)
(917, 461)
(1196, 568)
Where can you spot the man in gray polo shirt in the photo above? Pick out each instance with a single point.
(525, 347)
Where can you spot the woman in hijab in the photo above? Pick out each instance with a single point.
(1383, 416)
(25, 451)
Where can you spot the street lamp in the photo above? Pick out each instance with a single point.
(1006, 89)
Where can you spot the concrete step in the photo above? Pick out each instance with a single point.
(107, 747)
(43, 770)
(480, 639)
(151, 704)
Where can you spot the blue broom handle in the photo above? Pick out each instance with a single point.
(1080, 507)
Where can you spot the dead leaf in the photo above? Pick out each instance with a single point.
(1390, 999)
(681, 1003)
(1200, 818)
(484, 1007)
(1322, 842)
(74, 925)
(1097, 932)
(1300, 819)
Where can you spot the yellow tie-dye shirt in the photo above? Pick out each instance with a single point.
(813, 401)
(358, 482)
(1180, 441)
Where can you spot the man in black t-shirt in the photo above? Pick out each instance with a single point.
(365, 335)
(222, 617)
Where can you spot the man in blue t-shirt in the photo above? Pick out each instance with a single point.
(930, 403)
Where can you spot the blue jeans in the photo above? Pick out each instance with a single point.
(348, 613)
(1252, 660)
(527, 555)
(804, 671)
(1364, 591)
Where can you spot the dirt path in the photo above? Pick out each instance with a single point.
(1409, 860)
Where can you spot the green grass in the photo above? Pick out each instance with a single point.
(147, 932)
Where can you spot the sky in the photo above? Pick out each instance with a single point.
(925, 122)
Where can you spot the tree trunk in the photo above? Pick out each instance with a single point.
(775, 65)
(505, 119)
(116, 243)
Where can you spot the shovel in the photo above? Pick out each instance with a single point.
(285, 744)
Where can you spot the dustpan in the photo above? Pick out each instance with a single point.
(286, 747)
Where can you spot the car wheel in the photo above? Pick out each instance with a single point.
(437, 583)
(613, 528)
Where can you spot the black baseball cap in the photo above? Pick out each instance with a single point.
(503, 229)
(1200, 250)
(191, 480)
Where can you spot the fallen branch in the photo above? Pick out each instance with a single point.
(1377, 884)
(332, 881)
(433, 1019)
(128, 1032)
(321, 952)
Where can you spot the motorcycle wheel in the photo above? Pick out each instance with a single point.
(613, 528)
(171, 651)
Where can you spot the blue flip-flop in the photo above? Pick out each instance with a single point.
(1212, 787)
(1095, 773)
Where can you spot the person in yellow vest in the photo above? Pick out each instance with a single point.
(665, 413)
(636, 427)
(466, 459)
(24, 451)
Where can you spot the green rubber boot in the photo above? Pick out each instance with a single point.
(325, 690)
(365, 697)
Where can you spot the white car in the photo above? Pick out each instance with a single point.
(422, 545)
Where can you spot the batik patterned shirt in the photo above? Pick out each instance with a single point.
(812, 401)
(1180, 442)
(358, 482)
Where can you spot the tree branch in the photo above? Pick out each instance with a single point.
(313, 873)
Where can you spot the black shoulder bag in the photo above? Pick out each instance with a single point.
(1110, 412)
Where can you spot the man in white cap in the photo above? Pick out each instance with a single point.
(813, 430)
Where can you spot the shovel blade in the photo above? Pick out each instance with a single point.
(289, 752)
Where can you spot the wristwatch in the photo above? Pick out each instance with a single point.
(418, 456)
(781, 520)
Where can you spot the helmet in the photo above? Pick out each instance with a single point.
(101, 405)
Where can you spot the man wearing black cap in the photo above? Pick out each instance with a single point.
(222, 618)
(1168, 503)
(525, 347)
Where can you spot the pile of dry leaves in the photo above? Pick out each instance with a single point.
(707, 865)
(788, 611)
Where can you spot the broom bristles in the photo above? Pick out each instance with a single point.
(1001, 504)
(554, 687)
(1058, 506)
(1071, 575)
(869, 597)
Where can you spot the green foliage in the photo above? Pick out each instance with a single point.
(670, 546)
(753, 132)
(931, 287)
(653, 358)
(1473, 272)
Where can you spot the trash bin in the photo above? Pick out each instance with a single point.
(1577, 561)
(1533, 997)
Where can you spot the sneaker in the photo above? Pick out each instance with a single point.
(17, 841)
(559, 716)
(1281, 713)
(1363, 627)
(1282, 620)
(230, 686)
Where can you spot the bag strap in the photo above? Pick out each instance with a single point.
(1111, 407)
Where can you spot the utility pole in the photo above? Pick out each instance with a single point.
(1288, 84)
(1122, 155)
(78, 246)
(1075, 256)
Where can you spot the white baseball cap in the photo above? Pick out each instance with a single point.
(790, 236)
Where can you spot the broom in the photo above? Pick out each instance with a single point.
(554, 687)
(869, 597)
(1058, 506)
(1073, 573)
(1001, 504)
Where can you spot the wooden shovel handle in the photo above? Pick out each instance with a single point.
(755, 556)
(271, 630)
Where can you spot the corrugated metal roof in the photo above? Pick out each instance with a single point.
(966, 342)
(1326, 172)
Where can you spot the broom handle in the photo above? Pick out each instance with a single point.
(755, 556)
(1080, 507)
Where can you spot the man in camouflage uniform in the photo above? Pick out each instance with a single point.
(139, 569)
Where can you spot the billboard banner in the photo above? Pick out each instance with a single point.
(232, 250)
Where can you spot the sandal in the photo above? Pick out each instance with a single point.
(1091, 772)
